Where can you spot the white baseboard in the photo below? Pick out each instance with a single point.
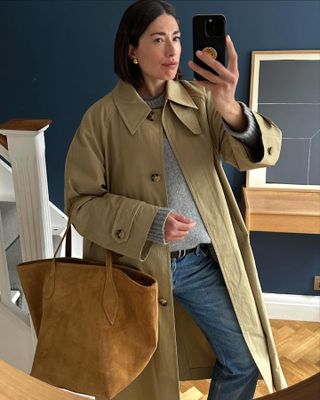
(292, 307)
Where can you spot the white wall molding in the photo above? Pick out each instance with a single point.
(292, 307)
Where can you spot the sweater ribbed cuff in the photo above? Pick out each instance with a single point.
(251, 137)
(156, 233)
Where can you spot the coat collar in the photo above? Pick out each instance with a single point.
(178, 94)
(134, 110)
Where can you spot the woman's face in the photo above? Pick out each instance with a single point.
(159, 50)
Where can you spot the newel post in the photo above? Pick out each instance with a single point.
(26, 148)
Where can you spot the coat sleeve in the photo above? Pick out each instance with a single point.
(112, 221)
(234, 152)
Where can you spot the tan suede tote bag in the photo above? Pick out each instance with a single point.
(97, 325)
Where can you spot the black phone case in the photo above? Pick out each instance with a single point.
(202, 39)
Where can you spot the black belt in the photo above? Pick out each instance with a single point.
(182, 253)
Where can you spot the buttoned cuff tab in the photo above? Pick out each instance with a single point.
(123, 222)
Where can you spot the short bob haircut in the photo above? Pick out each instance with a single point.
(134, 22)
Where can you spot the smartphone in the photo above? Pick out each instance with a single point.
(209, 34)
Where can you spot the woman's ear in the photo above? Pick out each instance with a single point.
(131, 52)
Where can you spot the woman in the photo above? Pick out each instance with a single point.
(144, 179)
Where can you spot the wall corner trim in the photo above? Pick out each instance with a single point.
(292, 307)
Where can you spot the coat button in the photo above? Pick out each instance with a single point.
(163, 302)
(120, 234)
(150, 116)
(155, 178)
(269, 150)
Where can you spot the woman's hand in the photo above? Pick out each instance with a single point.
(223, 86)
(177, 227)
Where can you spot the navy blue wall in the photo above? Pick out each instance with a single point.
(56, 59)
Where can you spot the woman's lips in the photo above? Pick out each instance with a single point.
(171, 65)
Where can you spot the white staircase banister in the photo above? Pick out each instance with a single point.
(26, 148)
(5, 294)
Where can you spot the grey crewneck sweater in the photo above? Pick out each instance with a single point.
(179, 196)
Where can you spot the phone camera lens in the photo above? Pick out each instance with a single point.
(214, 26)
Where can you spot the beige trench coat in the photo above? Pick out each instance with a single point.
(108, 181)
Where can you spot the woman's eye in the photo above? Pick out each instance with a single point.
(177, 38)
(158, 40)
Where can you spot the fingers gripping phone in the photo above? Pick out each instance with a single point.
(209, 35)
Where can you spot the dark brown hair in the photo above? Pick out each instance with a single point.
(133, 23)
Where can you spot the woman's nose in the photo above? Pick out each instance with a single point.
(171, 48)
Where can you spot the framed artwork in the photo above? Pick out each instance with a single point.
(285, 87)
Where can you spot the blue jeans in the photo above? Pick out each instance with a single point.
(198, 285)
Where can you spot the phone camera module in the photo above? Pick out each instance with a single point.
(213, 27)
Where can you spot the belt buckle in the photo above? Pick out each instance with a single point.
(182, 253)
